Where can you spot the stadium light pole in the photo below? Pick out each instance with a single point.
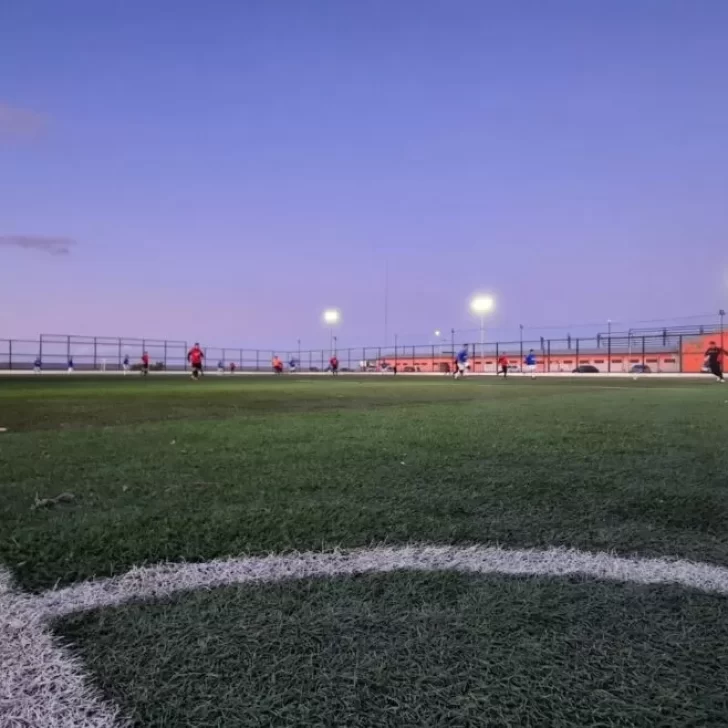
(481, 306)
(721, 313)
(331, 318)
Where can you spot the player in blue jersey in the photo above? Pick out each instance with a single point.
(461, 362)
(125, 365)
(37, 365)
(70, 365)
(530, 362)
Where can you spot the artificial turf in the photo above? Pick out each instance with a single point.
(412, 650)
(165, 468)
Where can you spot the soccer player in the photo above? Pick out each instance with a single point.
(277, 365)
(503, 365)
(221, 367)
(292, 365)
(232, 367)
(334, 365)
(461, 363)
(713, 356)
(195, 356)
(531, 364)
(70, 365)
(126, 364)
(145, 364)
(37, 365)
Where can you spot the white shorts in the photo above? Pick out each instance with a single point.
(531, 368)
(462, 367)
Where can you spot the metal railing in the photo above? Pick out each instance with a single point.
(664, 351)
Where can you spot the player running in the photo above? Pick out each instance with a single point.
(713, 356)
(334, 365)
(530, 361)
(461, 362)
(145, 364)
(503, 365)
(125, 365)
(195, 356)
(277, 365)
(37, 365)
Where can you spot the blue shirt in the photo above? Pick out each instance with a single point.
(292, 363)
(126, 360)
(463, 356)
(37, 362)
(531, 360)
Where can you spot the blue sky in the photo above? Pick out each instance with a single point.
(226, 170)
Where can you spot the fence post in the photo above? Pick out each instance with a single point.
(10, 353)
(185, 355)
(395, 352)
(68, 350)
(257, 360)
(609, 354)
(643, 351)
(680, 355)
(94, 353)
(548, 355)
(578, 363)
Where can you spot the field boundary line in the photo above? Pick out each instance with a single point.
(166, 579)
(41, 683)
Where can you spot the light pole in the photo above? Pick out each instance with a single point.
(481, 306)
(331, 318)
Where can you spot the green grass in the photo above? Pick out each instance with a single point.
(169, 469)
(415, 650)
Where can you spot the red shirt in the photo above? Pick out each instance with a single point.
(145, 359)
(195, 355)
(503, 361)
(334, 361)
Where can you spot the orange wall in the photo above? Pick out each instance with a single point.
(692, 355)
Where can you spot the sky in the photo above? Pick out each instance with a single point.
(226, 170)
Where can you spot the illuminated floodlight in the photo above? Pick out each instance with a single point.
(331, 317)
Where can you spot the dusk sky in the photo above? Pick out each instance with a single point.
(225, 170)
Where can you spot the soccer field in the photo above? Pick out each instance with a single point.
(407, 552)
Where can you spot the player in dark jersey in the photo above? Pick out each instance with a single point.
(145, 364)
(713, 355)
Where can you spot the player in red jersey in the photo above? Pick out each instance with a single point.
(195, 356)
(503, 365)
(334, 365)
(145, 364)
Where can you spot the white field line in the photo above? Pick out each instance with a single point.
(166, 579)
(41, 684)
